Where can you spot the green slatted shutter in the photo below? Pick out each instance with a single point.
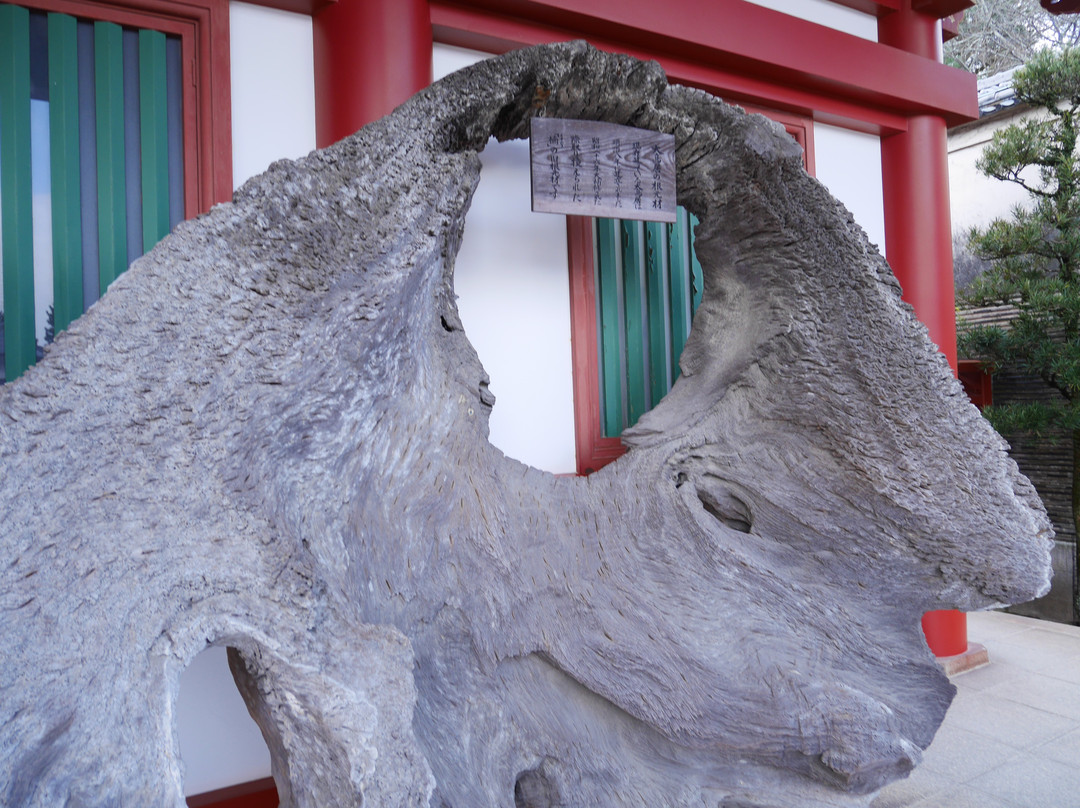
(16, 196)
(648, 286)
(111, 176)
(635, 317)
(64, 163)
(609, 326)
(658, 291)
(98, 97)
(153, 110)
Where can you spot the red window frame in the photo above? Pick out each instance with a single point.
(203, 29)
(592, 449)
(977, 382)
(260, 793)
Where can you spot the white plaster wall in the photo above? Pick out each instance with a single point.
(828, 14)
(220, 743)
(849, 164)
(273, 87)
(273, 116)
(976, 200)
(513, 286)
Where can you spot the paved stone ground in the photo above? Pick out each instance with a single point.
(1012, 737)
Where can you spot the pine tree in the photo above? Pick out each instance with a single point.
(1034, 257)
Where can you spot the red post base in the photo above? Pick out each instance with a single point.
(946, 632)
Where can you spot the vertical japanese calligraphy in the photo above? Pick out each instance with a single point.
(554, 143)
(630, 172)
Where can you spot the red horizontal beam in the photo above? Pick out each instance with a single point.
(308, 7)
(469, 29)
(941, 8)
(1061, 6)
(732, 46)
(873, 7)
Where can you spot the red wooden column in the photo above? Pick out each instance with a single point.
(370, 56)
(918, 239)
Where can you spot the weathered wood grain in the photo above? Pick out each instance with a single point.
(271, 434)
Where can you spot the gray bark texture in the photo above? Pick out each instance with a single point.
(271, 434)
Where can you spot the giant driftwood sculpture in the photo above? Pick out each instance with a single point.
(271, 435)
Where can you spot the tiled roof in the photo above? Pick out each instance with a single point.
(985, 315)
(996, 92)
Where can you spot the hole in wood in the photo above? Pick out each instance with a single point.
(220, 744)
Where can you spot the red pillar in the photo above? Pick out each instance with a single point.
(370, 56)
(918, 228)
(918, 239)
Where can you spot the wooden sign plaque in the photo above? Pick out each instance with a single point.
(589, 168)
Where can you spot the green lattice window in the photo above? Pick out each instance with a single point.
(91, 165)
(648, 286)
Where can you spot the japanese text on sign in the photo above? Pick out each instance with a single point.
(591, 168)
